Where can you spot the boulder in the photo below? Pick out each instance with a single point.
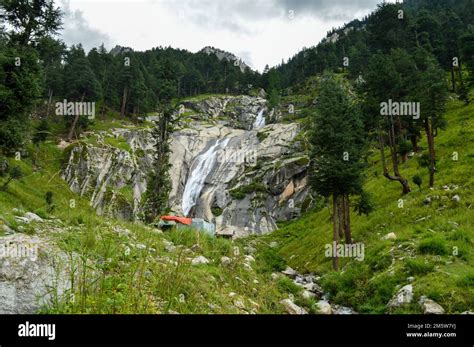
(390, 236)
(430, 307)
(170, 248)
(456, 198)
(199, 260)
(250, 250)
(6, 229)
(403, 296)
(343, 310)
(32, 273)
(313, 287)
(32, 217)
(289, 272)
(308, 295)
(324, 307)
(226, 261)
(249, 258)
(292, 308)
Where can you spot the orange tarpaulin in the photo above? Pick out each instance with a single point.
(182, 220)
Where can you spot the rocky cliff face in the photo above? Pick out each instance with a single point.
(228, 167)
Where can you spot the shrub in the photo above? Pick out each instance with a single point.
(42, 132)
(270, 261)
(286, 285)
(467, 280)
(262, 136)
(41, 213)
(418, 267)
(240, 192)
(433, 245)
(13, 133)
(4, 166)
(216, 211)
(417, 180)
(15, 173)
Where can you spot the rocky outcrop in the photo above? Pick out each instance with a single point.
(403, 296)
(243, 179)
(31, 274)
(223, 55)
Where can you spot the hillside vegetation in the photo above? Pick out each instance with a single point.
(434, 232)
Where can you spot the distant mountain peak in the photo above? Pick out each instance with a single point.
(220, 54)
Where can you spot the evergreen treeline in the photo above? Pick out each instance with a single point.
(37, 70)
(135, 82)
(445, 29)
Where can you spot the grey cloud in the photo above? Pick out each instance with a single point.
(76, 29)
(327, 9)
(238, 15)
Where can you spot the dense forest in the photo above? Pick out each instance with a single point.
(373, 118)
(443, 29)
(38, 69)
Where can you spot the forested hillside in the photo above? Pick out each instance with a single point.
(361, 144)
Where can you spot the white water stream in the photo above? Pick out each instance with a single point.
(202, 165)
(260, 120)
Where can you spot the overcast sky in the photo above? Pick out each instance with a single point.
(259, 31)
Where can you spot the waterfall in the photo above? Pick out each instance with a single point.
(203, 165)
(260, 120)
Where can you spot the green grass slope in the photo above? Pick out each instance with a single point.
(434, 241)
(120, 267)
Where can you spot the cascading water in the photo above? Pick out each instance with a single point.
(260, 120)
(203, 165)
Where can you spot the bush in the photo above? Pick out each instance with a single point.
(240, 192)
(467, 280)
(404, 148)
(41, 213)
(13, 133)
(286, 285)
(4, 166)
(271, 261)
(364, 204)
(433, 245)
(216, 211)
(15, 173)
(417, 180)
(262, 136)
(418, 267)
(42, 132)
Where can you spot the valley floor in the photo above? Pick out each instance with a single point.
(102, 265)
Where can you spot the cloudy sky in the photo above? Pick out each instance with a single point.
(259, 31)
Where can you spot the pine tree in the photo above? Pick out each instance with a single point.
(159, 184)
(384, 82)
(80, 83)
(337, 141)
(433, 94)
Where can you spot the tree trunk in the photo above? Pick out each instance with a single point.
(430, 138)
(5, 185)
(414, 143)
(397, 176)
(335, 225)
(74, 123)
(453, 80)
(124, 101)
(50, 97)
(396, 171)
(341, 217)
(347, 219)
